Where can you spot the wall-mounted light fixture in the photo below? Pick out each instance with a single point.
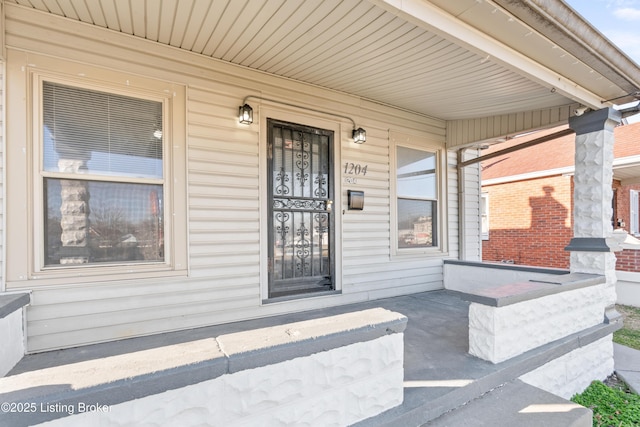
(245, 116)
(359, 136)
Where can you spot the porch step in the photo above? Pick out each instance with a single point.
(516, 404)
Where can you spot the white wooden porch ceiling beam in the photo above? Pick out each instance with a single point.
(434, 19)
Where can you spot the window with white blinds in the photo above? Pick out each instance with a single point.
(111, 134)
(102, 177)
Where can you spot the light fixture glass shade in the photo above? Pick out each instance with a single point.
(245, 114)
(359, 136)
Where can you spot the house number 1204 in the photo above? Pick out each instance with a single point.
(355, 169)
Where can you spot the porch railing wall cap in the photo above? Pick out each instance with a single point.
(13, 302)
(117, 380)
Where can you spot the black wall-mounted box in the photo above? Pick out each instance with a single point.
(356, 200)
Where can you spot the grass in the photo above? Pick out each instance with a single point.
(613, 406)
(629, 335)
(612, 402)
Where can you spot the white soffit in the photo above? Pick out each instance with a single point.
(494, 21)
(627, 170)
(367, 48)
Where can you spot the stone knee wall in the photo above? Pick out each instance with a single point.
(329, 371)
(573, 372)
(12, 339)
(12, 334)
(499, 333)
(333, 388)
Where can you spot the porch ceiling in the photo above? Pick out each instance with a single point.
(368, 48)
(628, 172)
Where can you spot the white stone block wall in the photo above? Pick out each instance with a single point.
(338, 387)
(628, 288)
(480, 275)
(500, 333)
(603, 263)
(12, 339)
(573, 372)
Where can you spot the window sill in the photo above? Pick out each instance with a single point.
(418, 253)
(94, 275)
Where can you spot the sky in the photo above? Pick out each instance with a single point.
(618, 20)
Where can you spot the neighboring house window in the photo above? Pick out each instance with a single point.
(484, 216)
(416, 198)
(634, 226)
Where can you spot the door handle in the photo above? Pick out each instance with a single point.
(329, 205)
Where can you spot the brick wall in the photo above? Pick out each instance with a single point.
(628, 259)
(530, 222)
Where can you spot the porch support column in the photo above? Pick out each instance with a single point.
(592, 245)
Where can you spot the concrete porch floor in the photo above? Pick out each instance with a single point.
(440, 375)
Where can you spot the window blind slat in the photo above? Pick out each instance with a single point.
(107, 134)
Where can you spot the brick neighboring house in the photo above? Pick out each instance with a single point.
(528, 200)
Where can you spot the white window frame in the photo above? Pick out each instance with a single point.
(442, 243)
(173, 98)
(634, 216)
(484, 216)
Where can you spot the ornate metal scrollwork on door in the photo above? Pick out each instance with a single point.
(281, 179)
(282, 229)
(306, 204)
(302, 158)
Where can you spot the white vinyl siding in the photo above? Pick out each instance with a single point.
(466, 132)
(465, 234)
(452, 200)
(224, 185)
(225, 194)
(368, 265)
(472, 191)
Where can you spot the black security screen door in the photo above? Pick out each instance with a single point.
(301, 221)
